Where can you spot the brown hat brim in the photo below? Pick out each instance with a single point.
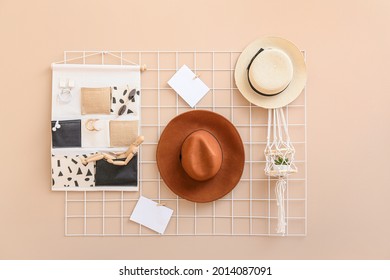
(168, 156)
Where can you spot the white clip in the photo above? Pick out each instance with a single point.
(56, 126)
(62, 83)
(71, 84)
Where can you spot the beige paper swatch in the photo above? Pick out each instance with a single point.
(123, 133)
(95, 100)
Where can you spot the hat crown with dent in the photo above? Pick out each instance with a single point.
(271, 71)
(201, 155)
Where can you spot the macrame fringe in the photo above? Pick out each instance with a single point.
(281, 185)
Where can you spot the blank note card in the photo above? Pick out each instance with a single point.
(152, 215)
(188, 86)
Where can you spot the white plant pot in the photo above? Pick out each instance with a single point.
(281, 167)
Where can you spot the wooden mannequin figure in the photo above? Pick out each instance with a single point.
(113, 158)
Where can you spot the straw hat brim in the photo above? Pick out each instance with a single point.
(296, 85)
(169, 163)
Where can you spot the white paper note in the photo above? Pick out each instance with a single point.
(149, 214)
(190, 88)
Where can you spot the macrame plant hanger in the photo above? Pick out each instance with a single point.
(279, 154)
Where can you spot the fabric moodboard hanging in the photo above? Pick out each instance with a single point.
(125, 100)
(95, 133)
(123, 133)
(95, 127)
(95, 100)
(66, 133)
(113, 175)
(69, 171)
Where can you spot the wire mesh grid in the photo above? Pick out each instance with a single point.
(250, 209)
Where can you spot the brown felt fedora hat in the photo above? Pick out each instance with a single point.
(200, 156)
(271, 72)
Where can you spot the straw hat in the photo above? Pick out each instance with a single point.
(271, 72)
(200, 156)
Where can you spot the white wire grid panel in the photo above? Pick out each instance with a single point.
(249, 210)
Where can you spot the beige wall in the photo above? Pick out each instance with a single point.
(347, 44)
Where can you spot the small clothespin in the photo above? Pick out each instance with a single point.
(70, 84)
(143, 68)
(62, 83)
(161, 204)
(196, 76)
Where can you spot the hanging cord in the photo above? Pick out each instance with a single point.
(269, 127)
(121, 58)
(274, 128)
(284, 123)
(279, 125)
(267, 149)
(279, 191)
(97, 53)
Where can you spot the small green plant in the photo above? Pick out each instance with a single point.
(281, 161)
